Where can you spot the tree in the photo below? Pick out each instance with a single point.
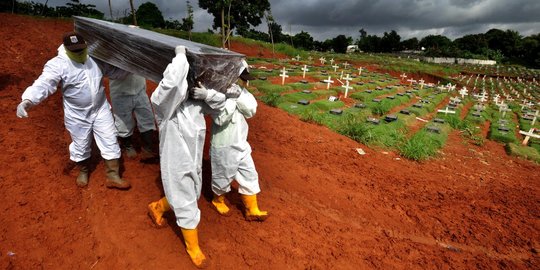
(187, 22)
(303, 40)
(436, 42)
(370, 43)
(390, 41)
(240, 13)
(340, 43)
(410, 44)
(150, 15)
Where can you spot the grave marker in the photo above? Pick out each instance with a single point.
(463, 92)
(283, 75)
(323, 60)
(446, 111)
(347, 87)
(328, 82)
(335, 67)
(411, 81)
(421, 82)
(528, 135)
(360, 71)
(303, 102)
(304, 69)
(336, 111)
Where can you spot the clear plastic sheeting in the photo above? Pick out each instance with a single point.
(148, 53)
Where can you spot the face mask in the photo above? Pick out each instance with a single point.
(79, 57)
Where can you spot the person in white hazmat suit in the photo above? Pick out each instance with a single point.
(129, 100)
(230, 152)
(87, 112)
(182, 130)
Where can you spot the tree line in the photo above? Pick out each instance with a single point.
(243, 16)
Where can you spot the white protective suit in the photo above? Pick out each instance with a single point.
(230, 152)
(86, 110)
(128, 98)
(182, 130)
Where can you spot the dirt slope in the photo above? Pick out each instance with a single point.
(472, 208)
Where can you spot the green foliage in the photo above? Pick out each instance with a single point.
(149, 15)
(422, 145)
(523, 151)
(271, 99)
(243, 12)
(354, 127)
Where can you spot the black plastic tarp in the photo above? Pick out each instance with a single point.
(148, 53)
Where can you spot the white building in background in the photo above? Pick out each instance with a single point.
(352, 48)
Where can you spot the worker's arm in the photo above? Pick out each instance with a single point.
(246, 104)
(172, 89)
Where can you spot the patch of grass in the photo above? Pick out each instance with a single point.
(354, 127)
(271, 99)
(523, 151)
(422, 145)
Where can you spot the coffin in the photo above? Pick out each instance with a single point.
(148, 53)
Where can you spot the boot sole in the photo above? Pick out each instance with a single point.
(117, 186)
(256, 218)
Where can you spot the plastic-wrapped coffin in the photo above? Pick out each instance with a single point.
(148, 53)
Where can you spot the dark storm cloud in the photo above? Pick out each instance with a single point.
(410, 18)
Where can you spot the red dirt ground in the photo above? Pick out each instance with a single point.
(331, 208)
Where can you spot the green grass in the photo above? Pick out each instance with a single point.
(523, 151)
(422, 145)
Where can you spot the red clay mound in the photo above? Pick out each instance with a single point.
(331, 208)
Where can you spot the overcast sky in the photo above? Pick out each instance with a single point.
(328, 18)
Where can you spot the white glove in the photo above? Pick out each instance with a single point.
(234, 91)
(180, 49)
(22, 107)
(199, 92)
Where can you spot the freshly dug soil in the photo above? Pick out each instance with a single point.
(331, 208)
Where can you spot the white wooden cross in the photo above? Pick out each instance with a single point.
(463, 92)
(346, 65)
(536, 115)
(447, 111)
(496, 99)
(304, 69)
(483, 98)
(421, 82)
(455, 100)
(328, 82)
(403, 76)
(504, 108)
(335, 67)
(297, 57)
(528, 135)
(523, 104)
(360, 71)
(332, 61)
(441, 87)
(347, 78)
(341, 76)
(283, 75)
(310, 58)
(347, 87)
(411, 81)
(323, 60)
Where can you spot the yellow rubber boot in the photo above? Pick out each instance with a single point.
(253, 213)
(219, 204)
(191, 238)
(156, 211)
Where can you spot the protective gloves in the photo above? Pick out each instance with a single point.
(199, 92)
(234, 91)
(22, 107)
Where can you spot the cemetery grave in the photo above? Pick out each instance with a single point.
(331, 91)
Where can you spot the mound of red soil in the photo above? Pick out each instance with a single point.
(331, 208)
